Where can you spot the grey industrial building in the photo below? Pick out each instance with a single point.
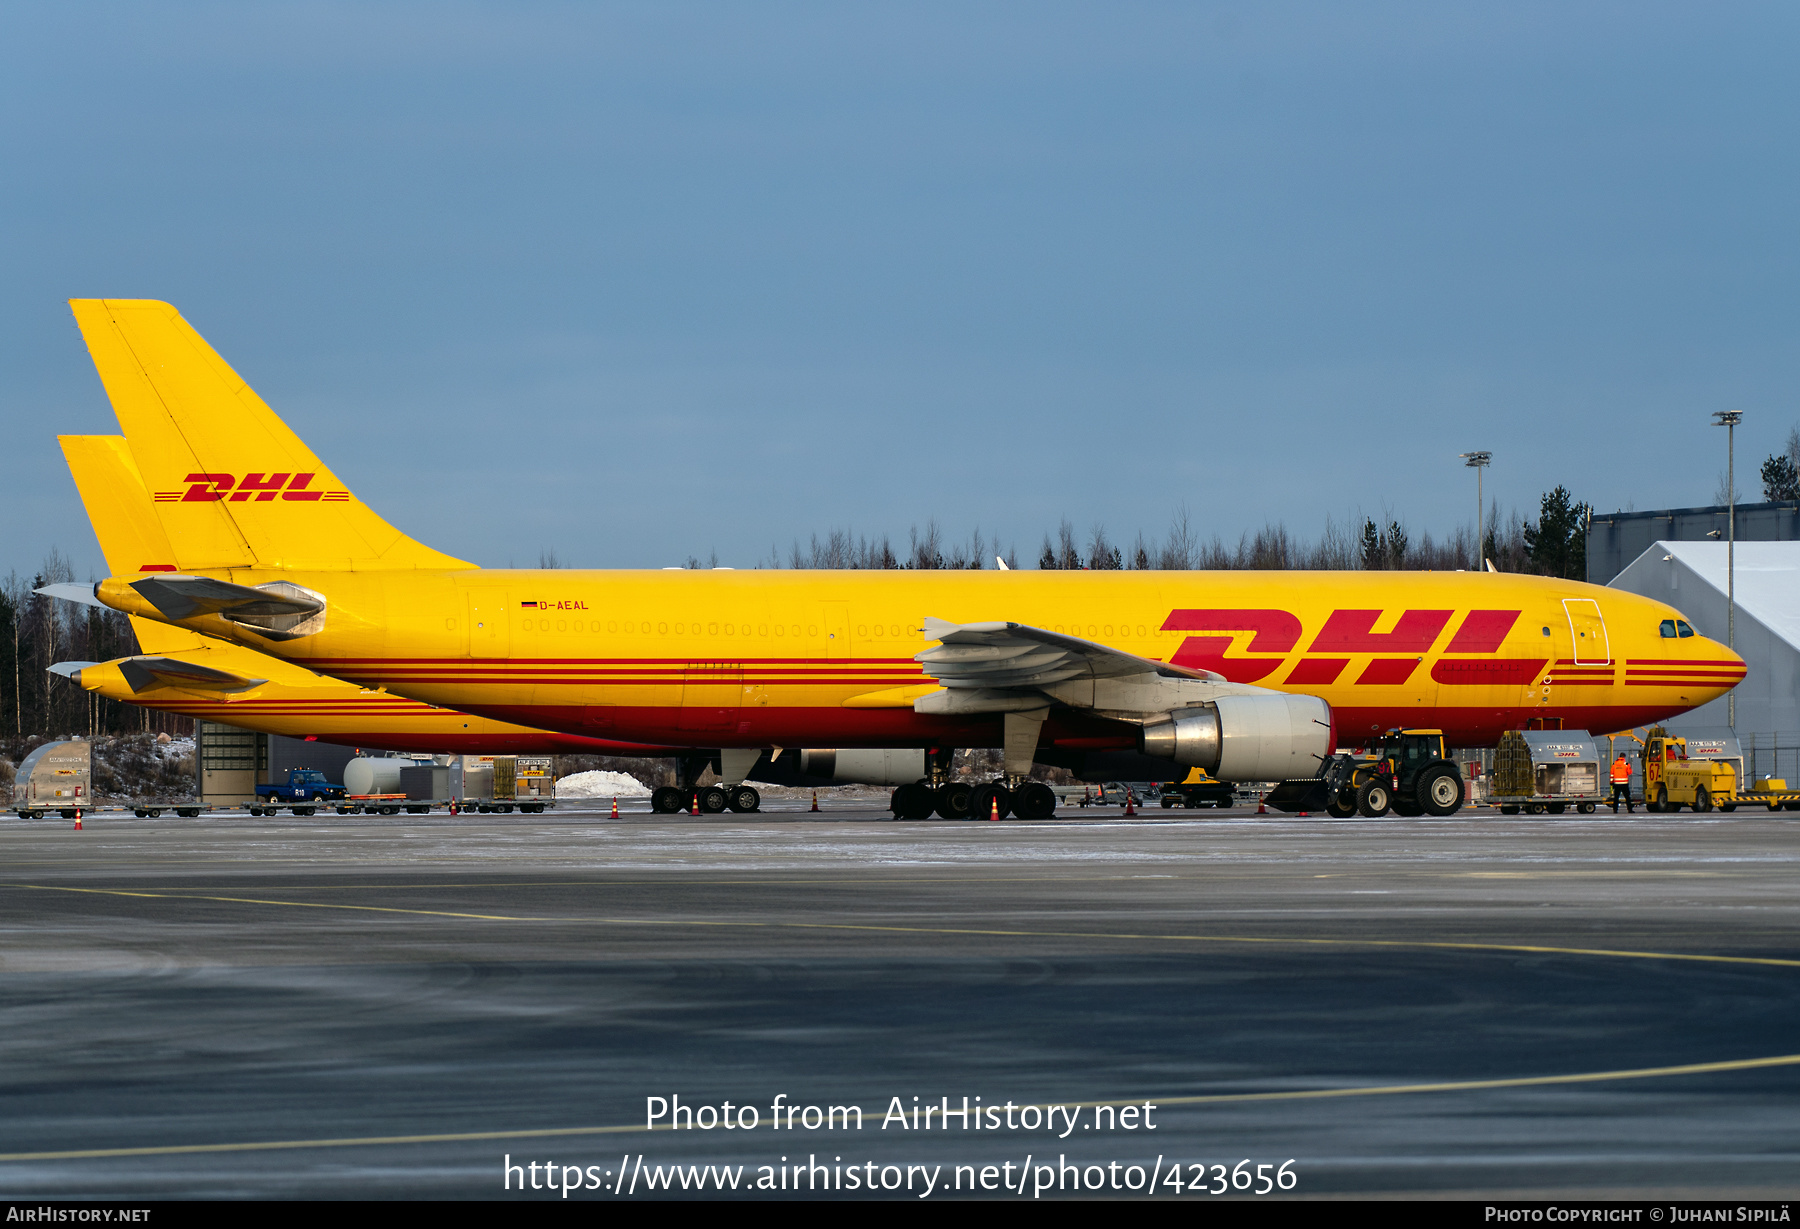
(229, 763)
(1614, 539)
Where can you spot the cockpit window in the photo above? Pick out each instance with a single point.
(1668, 629)
(1682, 629)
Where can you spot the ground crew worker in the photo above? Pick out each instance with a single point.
(1621, 783)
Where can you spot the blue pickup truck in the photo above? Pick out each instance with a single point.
(303, 785)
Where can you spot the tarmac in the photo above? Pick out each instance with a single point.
(368, 1007)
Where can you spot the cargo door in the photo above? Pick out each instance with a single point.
(490, 626)
(711, 692)
(1587, 631)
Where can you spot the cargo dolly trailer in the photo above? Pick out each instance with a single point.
(1538, 771)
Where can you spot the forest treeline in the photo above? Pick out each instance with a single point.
(1555, 544)
(37, 632)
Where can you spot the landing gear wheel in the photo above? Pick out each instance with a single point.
(744, 799)
(982, 804)
(1441, 792)
(1035, 800)
(913, 801)
(1372, 799)
(1341, 806)
(953, 799)
(712, 800)
(667, 800)
(1702, 801)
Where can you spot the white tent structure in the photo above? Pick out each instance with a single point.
(1690, 576)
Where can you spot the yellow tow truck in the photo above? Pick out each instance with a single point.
(1672, 780)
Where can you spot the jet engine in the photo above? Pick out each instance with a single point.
(1247, 738)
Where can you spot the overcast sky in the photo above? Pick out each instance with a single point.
(630, 282)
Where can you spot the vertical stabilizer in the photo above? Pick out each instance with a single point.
(227, 478)
(125, 524)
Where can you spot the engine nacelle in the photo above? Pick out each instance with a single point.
(864, 765)
(1247, 738)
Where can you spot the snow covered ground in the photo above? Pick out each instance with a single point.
(597, 784)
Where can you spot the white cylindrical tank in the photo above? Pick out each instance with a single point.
(865, 765)
(369, 775)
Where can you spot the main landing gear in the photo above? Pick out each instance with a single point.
(938, 795)
(734, 764)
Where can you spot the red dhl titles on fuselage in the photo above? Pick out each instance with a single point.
(794, 658)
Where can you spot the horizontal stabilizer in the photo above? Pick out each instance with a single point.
(144, 673)
(185, 597)
(70, 669)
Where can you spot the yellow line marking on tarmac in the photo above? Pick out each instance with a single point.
(1583, 874)
(653, 879)
(1307, 1094)
(1535, 949)
(294, 904)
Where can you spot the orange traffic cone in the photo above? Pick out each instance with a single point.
(1130, 803)
(78, 821)
(1262, 804)
(815, 805)
(694, 804)
(615, 814)
(994, 813)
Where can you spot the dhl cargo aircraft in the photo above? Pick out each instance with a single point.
(1250, 675)
(199, 676)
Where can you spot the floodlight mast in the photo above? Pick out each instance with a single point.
(1729, 419)
(1477, 461)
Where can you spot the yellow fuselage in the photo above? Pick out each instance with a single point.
(301, 704)
(778, 658)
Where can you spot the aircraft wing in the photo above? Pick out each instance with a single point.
(1012, 667)
(1014, 655)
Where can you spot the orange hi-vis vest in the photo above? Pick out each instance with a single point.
(1621, 771)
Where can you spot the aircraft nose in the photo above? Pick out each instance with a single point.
(1724, 668)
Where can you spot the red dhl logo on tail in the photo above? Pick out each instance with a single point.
(1352, 632)
(214, 488)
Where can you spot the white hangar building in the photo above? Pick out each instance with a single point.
(1690, 576)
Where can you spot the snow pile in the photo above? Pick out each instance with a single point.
(597, 784)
